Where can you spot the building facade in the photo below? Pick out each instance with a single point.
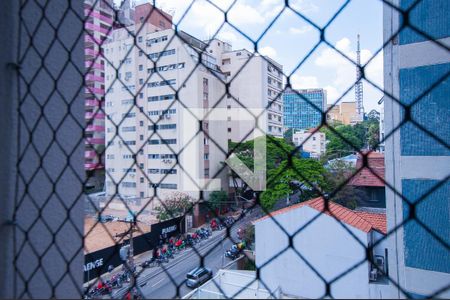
(154, 143)
(97, 27)
(345, 113)
(303, 108)
(311, 142)
(417, 165)
(255, 85)
(330, 243)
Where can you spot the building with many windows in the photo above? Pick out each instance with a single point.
(310, 141)
(417, 165)
(256, 83)
(303, 108)
(97, 27)
(153, 106)
(344, 113)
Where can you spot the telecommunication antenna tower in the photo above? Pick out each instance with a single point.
(359, 84)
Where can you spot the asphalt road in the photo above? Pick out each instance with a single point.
(168, 281)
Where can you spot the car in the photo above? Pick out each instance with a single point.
(198, 276)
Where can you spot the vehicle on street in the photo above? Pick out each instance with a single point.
(198, 276)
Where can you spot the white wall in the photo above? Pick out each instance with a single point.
(324, 244)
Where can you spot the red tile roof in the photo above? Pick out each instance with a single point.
(366, 176)
(364, 221)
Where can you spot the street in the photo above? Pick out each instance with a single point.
(167, 281)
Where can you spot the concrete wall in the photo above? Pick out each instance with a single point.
(47, 198)
(414, 161)
(324, 244)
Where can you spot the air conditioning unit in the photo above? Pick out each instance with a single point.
(379, 262)
(373, 275)
(169, 161)
(164, 160)
(161, 117)
(132, 175)
(167, 116)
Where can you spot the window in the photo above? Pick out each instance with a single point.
(229, 129)
(141, 194)
(129, 170)
(141, 67)
(168, 171)
(228, 106)
(141, 137)
(153, 156)
(153, 171)
(206, 156)
(127, 156)
(141, 52)
(127, 101)
(141, 166)
(141, 81)
(153, 142)
(130, 143)
(128, 184)
(238, 53)
(141, 123)
(206, 171)
(229, 118)
(141, 95)
(172, 186)
(129, 115)
(140, 39)
(205, 141)
(110, 156)
(128, 129)
(168, 141)
(141, 180)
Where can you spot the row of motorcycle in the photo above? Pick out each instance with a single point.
(175, 245)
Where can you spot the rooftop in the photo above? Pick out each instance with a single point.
(366, 176)
(365, 221)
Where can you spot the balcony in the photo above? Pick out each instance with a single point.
(90, 154)
(92, 103)
(93, 77)
(92, 39)
(95, 28)
(95, 141)
(98, 15)
(95, 128)
(95, 66)
(91, 52)
(98, 115)
(93, 166)
(94, 90)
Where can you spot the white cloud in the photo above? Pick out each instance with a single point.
(227, 36)
(299, 30)
(268, 51)
(343, 71)
(304, 82)
(243, 14)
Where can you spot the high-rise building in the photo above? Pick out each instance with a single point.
(303, 108)
(97, 26)
(153, 133)
(256, 83)
(345, 113)
(417, 165)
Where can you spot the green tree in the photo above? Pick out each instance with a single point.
(217, 198)
(174, 205)
(287, 135)
(341, 193)
(286, 179)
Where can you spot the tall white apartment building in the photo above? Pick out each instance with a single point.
(255, 85)
(150, 111)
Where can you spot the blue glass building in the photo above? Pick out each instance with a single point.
(303, 108)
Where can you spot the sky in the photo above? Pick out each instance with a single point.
(290, 38)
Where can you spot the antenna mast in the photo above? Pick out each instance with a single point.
(359, 84)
